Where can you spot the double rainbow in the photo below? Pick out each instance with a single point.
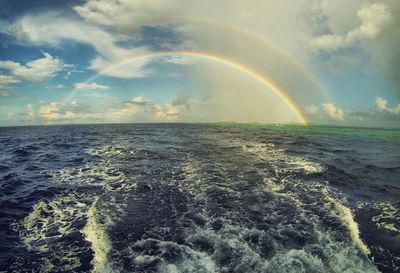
(212, 57)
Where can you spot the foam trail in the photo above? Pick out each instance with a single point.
(95, 233)
(345, 215)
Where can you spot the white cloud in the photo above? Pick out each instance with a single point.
(90, 86)
(36, 70)
(381, 106)
(127, 113)
(139, 100)
(141, 108)
(311, 109)
(328, 109)
(373, 17)
(137, 107)
(74, 111)
(168, 112)
(50, 111)
(332, 111)
(7, 80)
(53, 28)
(128, 15)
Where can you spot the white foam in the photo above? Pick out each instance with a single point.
(192, 261)
(276, 156)
(346, 216)
(42, 230)
(47, 218)
(106, 151)
(93, 173)
(341, 256)
(388, 217)
(54, 218)
(95, 232)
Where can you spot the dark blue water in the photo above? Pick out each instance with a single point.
(199, 198)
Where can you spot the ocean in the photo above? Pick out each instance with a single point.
(199, 198)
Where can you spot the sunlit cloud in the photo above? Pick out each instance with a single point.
(332, 111)
(35, 71)
(168, 112)
(373, 17)
(90, 86)
(50, 111)
(329, 110)
(382, 106)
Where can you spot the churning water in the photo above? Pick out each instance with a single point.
(199, 198)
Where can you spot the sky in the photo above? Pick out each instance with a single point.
(332, 62)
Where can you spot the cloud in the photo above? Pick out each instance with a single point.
(381, 115)
(369, 29)
(332, 111)
(140, 100)
(138, 108)
(90, 86)
(114, 28)
(381, 106)
(211, 27)
(373, 17)
(5, 90)
(182, 99)
(168, 112)
(328, 109)
(128, 16)
(7, 80)
(141, 108)
(73, 111)
(36, 70)
(45, 28)
(311, 109)
(127, 113)
(50, 111)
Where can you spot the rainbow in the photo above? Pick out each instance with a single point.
(262, 40)
(213, 58)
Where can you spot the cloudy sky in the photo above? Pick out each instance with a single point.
(318, 61)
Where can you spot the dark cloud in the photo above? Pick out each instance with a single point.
(375, 116)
